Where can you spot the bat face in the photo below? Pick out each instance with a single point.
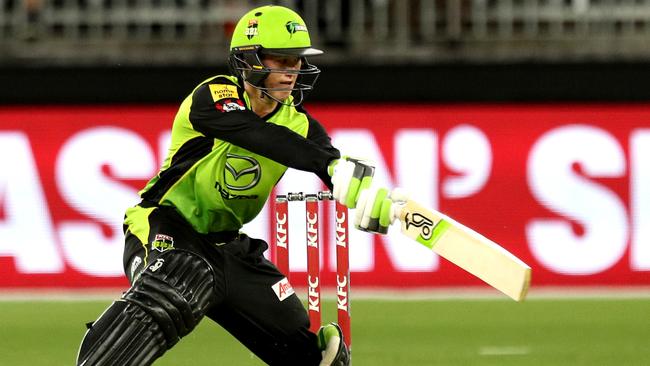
(466, 248)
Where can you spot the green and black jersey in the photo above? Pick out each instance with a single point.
(224, 160)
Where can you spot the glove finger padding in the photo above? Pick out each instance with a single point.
(341, 179)
(349, 178)
(374, 211)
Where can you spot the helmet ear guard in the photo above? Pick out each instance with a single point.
(245, 62)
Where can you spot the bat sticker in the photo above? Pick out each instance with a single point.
(420, 221)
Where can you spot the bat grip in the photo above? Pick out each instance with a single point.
(399, 197)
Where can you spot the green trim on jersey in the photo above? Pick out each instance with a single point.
(182, 132)
(138, 215)
(137, 222)
(227, 186)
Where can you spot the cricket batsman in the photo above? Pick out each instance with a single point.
(232, 140)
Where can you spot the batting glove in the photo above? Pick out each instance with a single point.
(374, 211)
(349, 178)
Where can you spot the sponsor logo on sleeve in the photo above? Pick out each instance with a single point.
(220, 92)
(229, 105)
(283, 289)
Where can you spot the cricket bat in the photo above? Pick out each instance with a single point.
(465, 248)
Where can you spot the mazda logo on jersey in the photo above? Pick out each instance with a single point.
(242, 172)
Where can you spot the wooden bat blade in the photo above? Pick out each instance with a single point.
(467, 249)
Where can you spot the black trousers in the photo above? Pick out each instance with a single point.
(271, 326)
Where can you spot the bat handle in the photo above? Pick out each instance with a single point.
(399, 197)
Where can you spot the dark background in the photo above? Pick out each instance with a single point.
(457, 82)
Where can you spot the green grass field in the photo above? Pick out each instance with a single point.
(385, 332)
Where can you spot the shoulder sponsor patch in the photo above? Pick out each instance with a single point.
(283, 289)
(229, 105)
(223, 91)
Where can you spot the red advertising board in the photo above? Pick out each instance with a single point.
(564, 187)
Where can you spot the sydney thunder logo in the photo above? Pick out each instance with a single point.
(293, 27)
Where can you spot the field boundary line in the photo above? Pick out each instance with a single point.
(60, 294)
(375, 293)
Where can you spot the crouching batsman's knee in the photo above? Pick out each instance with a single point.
(164, 304)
